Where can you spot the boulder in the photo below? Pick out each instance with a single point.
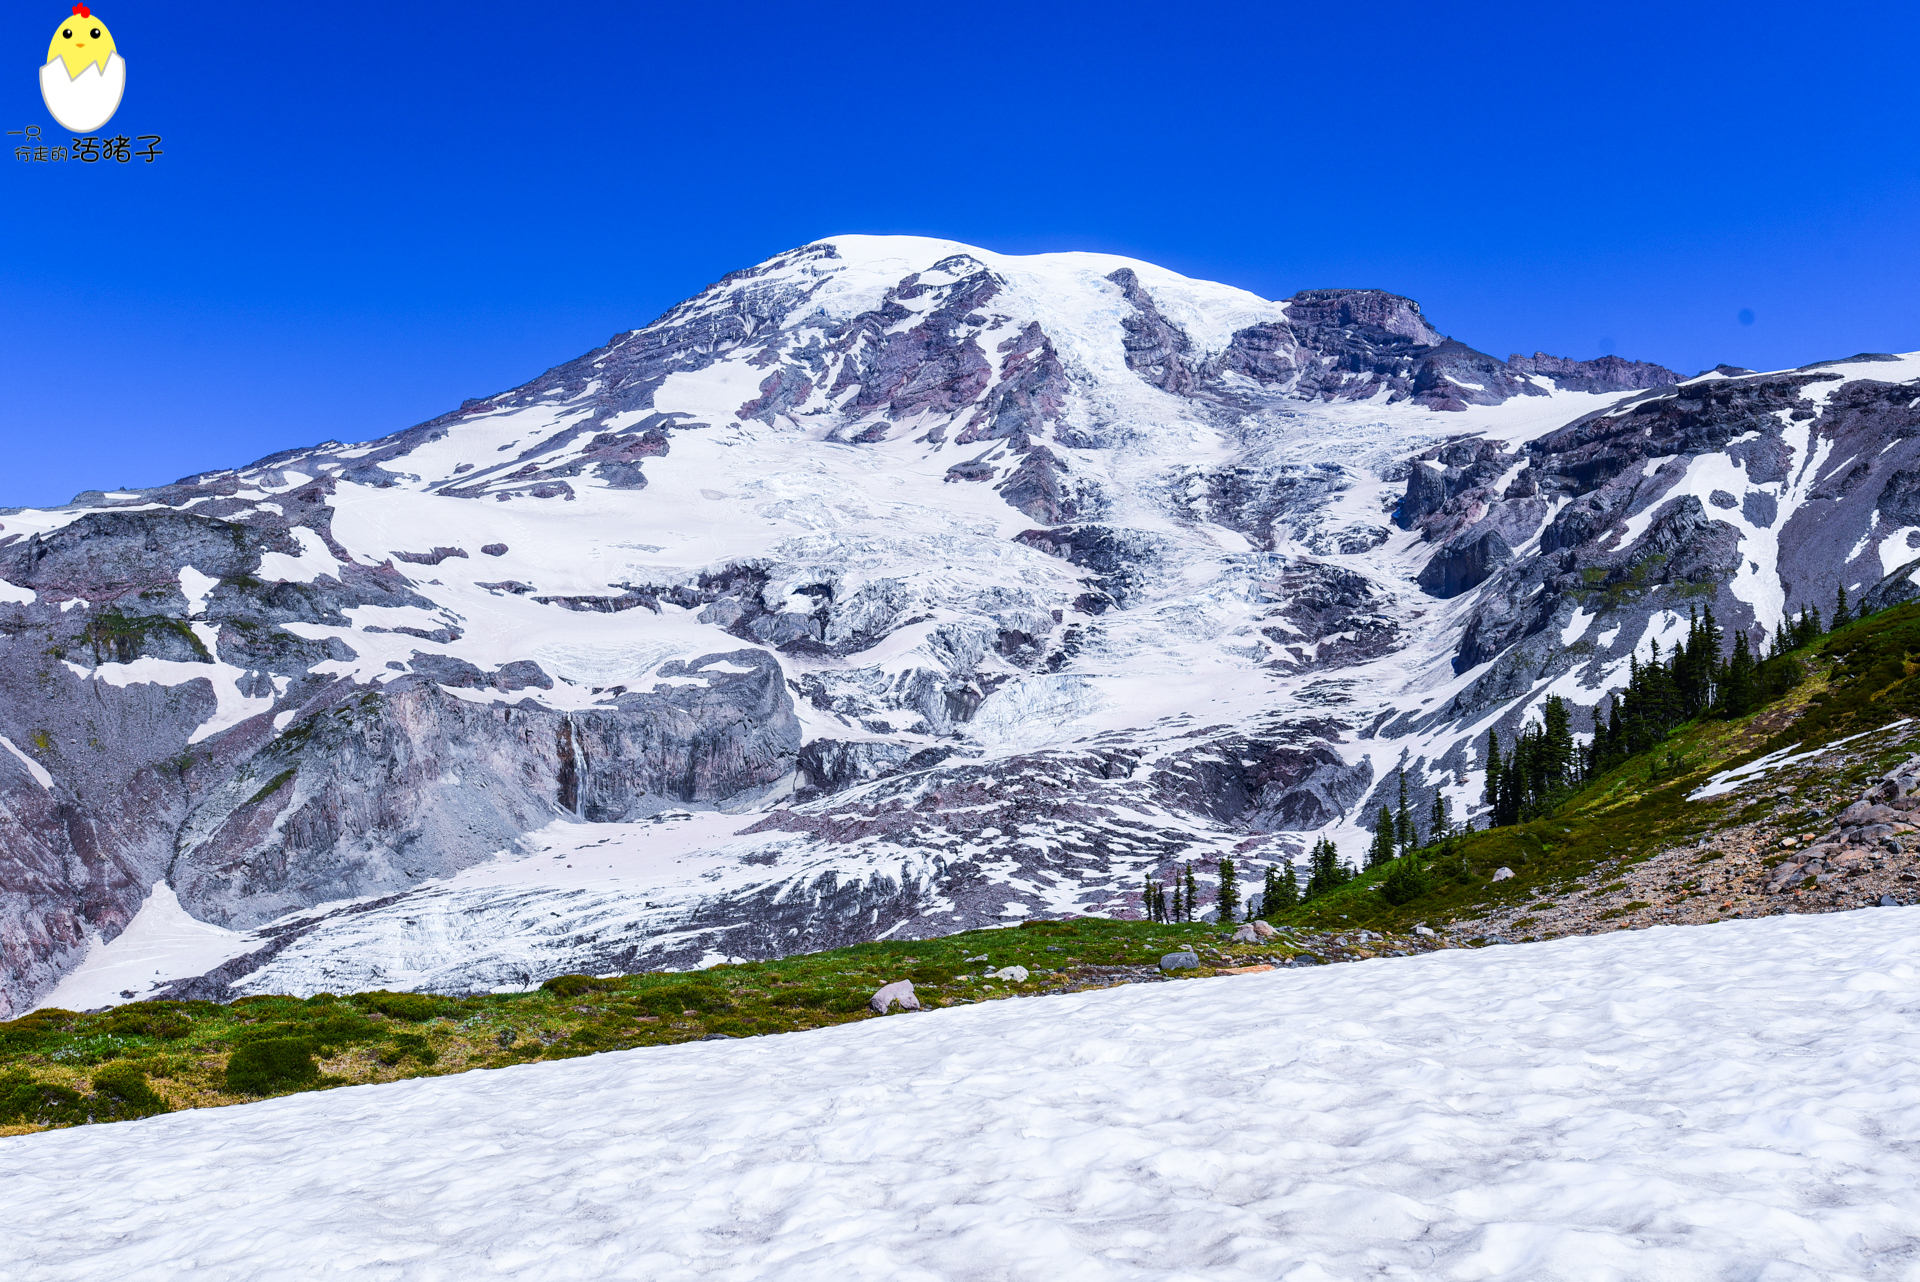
(1246, 934)
(901, 991)
(1012, 974)
(1424, 930)
(1263, 930)
(1501, 874)
(1188, 960)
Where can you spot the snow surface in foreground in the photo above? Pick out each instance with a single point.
(1729, 1101)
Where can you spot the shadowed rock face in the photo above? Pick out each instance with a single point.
(372, 794)
(998, 587)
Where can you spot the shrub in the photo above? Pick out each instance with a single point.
(260, 1068)
(123, 1091)
(933, 974)
(671, 999)
(30, 1032)
(840, 1001)
(415, 1008)
(1405, 882)
(574, 985)
(149, 1019)
(22, 1099)
(408, 1046)
(337, 1030)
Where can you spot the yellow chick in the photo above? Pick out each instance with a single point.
(85, 75)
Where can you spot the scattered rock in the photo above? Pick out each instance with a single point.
(1423, 930)
(1888, 901)
(1245, 935)
(506, 1038)
(901, 991)
(981, 957)
(1012, 974)
(1244, 970)
(1180, 961)
(1263, 930)
(1501, 874)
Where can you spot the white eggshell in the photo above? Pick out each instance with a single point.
(89, 99)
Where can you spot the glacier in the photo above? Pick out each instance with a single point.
(930, 587)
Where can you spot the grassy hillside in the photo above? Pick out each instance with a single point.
(62, 1068)
(1859, 678)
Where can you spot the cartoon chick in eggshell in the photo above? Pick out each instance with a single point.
(84, 76)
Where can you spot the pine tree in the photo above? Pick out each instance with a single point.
(1178, 912)
(1228, 896)
(1381, 851)
(1193, 895)
(1842, 616)
(1280, 890)
(1147, 899)
(1325, 871)
(1737, 689)
(1492, 796)
(1439, 819)
(1405, 836)
(1556, 752)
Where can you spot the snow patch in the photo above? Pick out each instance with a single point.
(1622, 1106)
(34, 768)
(162, 943)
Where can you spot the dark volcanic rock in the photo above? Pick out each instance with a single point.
(1604, 374)
(1465, 562)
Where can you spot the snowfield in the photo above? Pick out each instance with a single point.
(1733, 1101)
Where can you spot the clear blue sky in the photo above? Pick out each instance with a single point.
(367, 213)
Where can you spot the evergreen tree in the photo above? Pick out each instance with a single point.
(1405, 835)
(1228, 896)
(1178, 912)
(1842, 616)
(1492, 795)
(1280, 891)
(1149, 899)
(1405, 881)
(1193, 895)
(1381, 851)
(1439, 819)
(1325, 871)
(1738, 693)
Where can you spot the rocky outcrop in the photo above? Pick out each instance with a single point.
(1603, 374)
(1156, 349)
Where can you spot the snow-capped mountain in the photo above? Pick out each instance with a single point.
(890, 586)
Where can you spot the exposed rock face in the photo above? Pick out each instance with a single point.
(941, 587)
(1605, 374)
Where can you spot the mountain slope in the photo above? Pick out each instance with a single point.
(933, 587)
